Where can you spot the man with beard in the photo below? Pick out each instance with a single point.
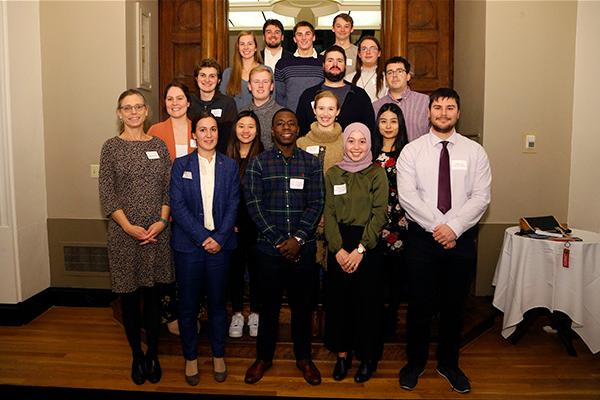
(444, 184)
(355, 104)
(273, 37)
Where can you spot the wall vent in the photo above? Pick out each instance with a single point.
(85, 258)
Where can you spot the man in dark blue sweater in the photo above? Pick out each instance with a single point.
(355, 103)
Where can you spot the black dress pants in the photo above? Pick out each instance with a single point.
(439, 280)
(354, 302)
(297, 279)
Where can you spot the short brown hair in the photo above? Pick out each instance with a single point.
(304, 23)
(345, 17)
(208, 63)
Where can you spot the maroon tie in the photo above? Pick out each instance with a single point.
(444, 194)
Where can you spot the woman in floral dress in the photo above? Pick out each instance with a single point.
(391, 129)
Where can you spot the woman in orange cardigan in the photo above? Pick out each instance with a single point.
(176, 131)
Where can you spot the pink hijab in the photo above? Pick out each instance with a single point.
(354, 166)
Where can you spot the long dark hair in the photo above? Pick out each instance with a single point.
(233, 146)
(401, 138)
(378, 69)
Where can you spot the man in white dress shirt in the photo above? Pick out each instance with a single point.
(444, 184)
(273, 38)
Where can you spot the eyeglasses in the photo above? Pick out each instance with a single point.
(137, 107)
(372, 49)
(392, 72)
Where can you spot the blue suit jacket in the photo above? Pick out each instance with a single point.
(188, 231)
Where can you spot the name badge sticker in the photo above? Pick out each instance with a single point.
(460, 165)
(339, 189)
(193, 144)
(152, 155)
(296, 183)
(314, 150)
(349, 62)
(187, 175)
(217, 112)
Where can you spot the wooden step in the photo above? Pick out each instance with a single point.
(479, 314)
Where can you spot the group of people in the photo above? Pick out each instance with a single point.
(287, 169)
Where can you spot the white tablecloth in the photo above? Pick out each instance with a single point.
(530, 274)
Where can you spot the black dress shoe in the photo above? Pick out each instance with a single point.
(365, 371)
(153, 371)
(138, 375)
(342, 365)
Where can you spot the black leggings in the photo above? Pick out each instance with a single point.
(131, 304)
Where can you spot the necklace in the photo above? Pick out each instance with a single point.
(365, 82)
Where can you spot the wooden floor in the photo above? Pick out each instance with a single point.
(86, 348)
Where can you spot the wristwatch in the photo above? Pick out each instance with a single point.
(361, 249)
(299, 240)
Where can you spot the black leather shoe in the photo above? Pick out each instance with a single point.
(153, 371)
(366, 369)
(342, 365)
(138, 374)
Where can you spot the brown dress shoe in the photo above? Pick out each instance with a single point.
(256, 371)
(310, 371)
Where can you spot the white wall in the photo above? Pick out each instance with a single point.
(584, 194)
(529, 74)
(84, 71)
(28, 272)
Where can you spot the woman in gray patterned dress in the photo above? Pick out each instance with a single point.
(134, 192)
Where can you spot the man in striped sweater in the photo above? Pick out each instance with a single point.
(294, 74)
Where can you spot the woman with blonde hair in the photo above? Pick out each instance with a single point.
(324, 140)
(235, 78)
(134, 194)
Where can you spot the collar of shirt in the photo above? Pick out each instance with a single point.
(405, 95)
(270, 56)
(314, 54)
(206, 160)
(434, 140)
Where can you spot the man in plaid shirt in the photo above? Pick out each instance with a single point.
(285, 195)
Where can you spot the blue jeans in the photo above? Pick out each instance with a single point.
(200, 272)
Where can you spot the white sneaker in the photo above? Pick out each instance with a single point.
(253, 324)
(237, 325)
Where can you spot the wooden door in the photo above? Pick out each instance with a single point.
(423, 32)
(190, 30)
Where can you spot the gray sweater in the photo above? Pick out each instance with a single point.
(265, 118)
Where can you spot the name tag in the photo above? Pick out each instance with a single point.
(152, 155)
(187, 175)
(459, 165)
(217, 112)
(339, 189)
(296, 183)
(349, 62)
(193, 144)
(314, 150)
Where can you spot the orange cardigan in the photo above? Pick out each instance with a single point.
(164, 131)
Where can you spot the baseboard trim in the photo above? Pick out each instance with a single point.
(26, 311)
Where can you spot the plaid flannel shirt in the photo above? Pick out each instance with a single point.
(285, 197)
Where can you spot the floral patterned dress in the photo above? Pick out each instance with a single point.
(395, 230)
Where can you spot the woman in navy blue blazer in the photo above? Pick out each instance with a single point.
(204, 199)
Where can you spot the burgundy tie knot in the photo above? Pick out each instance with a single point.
(444, 193)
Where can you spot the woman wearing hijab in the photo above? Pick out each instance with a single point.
(355, 212)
